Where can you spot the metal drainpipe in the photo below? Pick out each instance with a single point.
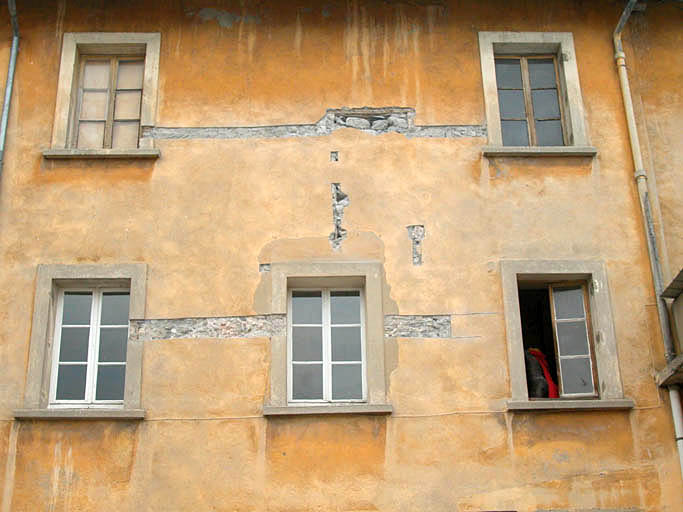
(653, 251)
(12, 7)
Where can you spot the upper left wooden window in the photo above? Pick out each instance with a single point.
(108, 102)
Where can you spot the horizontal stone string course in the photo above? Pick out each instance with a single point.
(256, 326)
(417, 326)
(375, 121)
(265, 326)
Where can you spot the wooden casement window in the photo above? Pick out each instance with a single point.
(326, 346)
(90, 341)
(531, 113)
(556, 320)
(108, 100)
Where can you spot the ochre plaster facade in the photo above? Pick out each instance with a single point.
(204, 215)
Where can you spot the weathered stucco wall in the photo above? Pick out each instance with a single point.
(209, 211)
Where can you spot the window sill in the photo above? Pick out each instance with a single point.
(101, 153)
(79, 414)
(539, 151)
(269, 410)
(569, 405)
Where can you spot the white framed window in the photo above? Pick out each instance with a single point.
(90, 344)
(344, 313)
(90, 299)
(326, 345)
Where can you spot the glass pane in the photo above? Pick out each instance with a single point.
(130, 74)
(514, 133)
(307, 308)
(508, 74)
(541, 73)
(77, 308)
(545, 103)
(568, 302)
(71, 382)
(73, 345)
(307, 381)
(127, 105)
(511, 104)
(125, 134)
(90, 135)
(113, 341)
(110, 382)
(345, 307)
(573, 338)
(549, 133)
(347, 382)
(96, 74)
(307, 343)
(346, 344)
(94, 105)
(576, 376)
(115, 308)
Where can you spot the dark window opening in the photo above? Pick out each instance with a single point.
(537, 334)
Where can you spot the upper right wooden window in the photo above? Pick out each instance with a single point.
(531, 113)
(532, 94)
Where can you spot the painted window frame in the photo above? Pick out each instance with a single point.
(77, 44)
(92, 363)
(609, 384)
(365, 275)
(559, 44)
(51, 279)
(326, 352)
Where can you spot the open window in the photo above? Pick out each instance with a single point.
(560, 330)
(558, 340)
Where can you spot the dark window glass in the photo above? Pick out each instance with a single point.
(113, 343)
(115, 308)
(73, 345)
(307, 307)
(576, 376)
(549, 133)
(307, 343)
(346, 344)
(77, 308)
(511, 104)
(515, 133)
(345, 307)
(307, 381)
(541, 73)
(508, 74)
(110, 382)
(347, 382)
(71, 382)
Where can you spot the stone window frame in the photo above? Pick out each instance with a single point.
(560, 44)
(611, 395)
(367, 275)
(74, 45)
(51, 278)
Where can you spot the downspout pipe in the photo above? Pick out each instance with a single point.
(646, 211)
(12, 6)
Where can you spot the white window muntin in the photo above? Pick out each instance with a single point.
(327, 346)
(93, 349)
